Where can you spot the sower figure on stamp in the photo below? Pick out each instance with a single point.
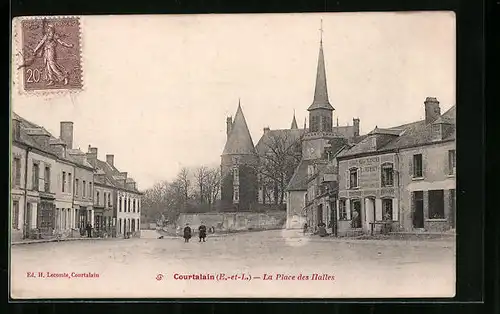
(53, 70)
(202, 232)
(187, 233)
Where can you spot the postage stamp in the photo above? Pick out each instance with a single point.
(50, 51)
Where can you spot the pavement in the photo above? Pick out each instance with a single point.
(150, 267)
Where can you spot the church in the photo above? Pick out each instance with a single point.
(254, 176)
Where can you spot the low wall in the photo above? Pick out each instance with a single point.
(235, 221)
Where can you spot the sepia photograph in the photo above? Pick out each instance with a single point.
(305, 155)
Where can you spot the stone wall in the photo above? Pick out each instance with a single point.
(235, 221)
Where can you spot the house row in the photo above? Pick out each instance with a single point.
(57, 190)
(402, 177)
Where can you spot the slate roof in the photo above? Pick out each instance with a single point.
(299, 180)
(321, 91)
(35, 142)
(107, 175)
(410, 135)
(290, 135)
(239, 140)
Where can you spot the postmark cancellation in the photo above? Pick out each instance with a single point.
(48, 54)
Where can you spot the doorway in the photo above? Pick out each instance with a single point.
(369, 212)
(319, 214)
(418, 209)
(356, 213)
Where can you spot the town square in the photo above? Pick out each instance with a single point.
(306, 159)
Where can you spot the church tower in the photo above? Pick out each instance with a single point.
(320, 132)
(238, 166)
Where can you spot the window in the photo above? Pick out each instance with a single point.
(342, 210)
(36, 177)
(138, 206)
(15, 215)
(98, 198)
(120, 225)
(355, 213)
(64, 181)
(236, 175)
(109, 200)
(387, 175)
(451, 162)
(16, 172)
(133, 206)
(436, 204)
(387, 209)
(120, 204)
(314, 125)
(77, 186)
(46, 179)
(128, 205)
(70, 183)
(417, 166)
(353, 178)
(84, 193)
(90, 189)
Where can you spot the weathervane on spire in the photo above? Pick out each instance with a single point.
(321, 32)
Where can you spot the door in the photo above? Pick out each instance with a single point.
(319, 213)
(452, 208)
(28, 220)
(356, 213)
(333, 218)
(418, 209)
(46, 219)
(369, 213)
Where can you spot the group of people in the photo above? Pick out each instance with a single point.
(202, 232)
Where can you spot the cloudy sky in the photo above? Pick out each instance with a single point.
(158, 88)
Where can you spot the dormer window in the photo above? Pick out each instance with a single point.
(437, 134)
(374, 142)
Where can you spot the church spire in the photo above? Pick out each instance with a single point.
(321, 91)
(294, 122)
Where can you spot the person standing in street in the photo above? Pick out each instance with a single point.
(89, 230)
(202, 230)
(187, 233)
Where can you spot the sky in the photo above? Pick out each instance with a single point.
(157, 89)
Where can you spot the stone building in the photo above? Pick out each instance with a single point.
(403, 175)
(238, 166)
(42, 189)
(124, 200)
(319, 142)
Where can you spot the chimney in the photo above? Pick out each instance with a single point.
(266, 129)
(16, 129)
(67, 133)
(355, 123)
(229, 125)
(432, 110)
(92, 153)
(110, 159)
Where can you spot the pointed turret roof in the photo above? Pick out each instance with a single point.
(239, 140)
(320, 92)
(294, 122)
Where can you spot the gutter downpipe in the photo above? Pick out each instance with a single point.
(25, 229)
(399, 189)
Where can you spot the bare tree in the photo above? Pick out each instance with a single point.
(278, 160)
(201, 176)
